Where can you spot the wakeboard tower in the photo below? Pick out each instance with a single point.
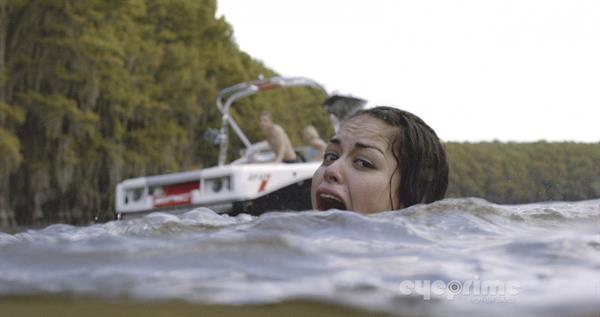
(249, 184)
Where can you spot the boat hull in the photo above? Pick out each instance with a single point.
(233, 189)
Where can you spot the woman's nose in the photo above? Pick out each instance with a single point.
(333, 172)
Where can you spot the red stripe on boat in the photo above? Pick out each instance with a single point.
(176, 194)
(263, 184)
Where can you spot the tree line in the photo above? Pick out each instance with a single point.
(512, 173)
(96, 91)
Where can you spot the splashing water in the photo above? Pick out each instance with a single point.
(456, 256)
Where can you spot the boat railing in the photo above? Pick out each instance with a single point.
(229, 95)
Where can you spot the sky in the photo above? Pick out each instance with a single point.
(474, 70)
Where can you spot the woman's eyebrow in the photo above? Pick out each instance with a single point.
(358, 145)
(369, 146)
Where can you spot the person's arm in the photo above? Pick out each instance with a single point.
(319, 145)
(280, 150)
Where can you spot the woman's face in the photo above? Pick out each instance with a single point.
(359, 170)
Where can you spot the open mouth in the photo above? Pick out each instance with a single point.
(328, 201)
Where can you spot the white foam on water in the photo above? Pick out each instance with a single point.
(550, 250)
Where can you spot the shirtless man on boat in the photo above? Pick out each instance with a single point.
(278, 140)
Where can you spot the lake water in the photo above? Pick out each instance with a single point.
(454, 257)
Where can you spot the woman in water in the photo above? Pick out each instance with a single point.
(381, 159)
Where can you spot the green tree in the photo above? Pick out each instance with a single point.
(92, 92)
(524, 172)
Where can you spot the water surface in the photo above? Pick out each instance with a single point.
(456, 256)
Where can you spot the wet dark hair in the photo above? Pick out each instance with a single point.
(420, 155)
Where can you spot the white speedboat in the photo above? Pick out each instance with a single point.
(249, 184)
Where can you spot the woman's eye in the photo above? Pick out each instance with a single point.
(329, 157)
(364, 163)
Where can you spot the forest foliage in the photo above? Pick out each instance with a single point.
(512, 173)
(96, 91)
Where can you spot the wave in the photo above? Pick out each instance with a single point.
(549, 249)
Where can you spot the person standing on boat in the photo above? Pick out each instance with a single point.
(278, 139)
(310, 136)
